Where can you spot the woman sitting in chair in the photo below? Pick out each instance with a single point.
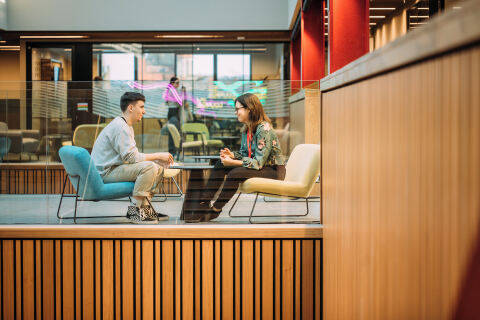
(259, 156)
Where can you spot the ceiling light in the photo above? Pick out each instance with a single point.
(422, 8)
(3, 41)
(182, 36)
(372, 23)
(415, 23)
(53, 37)
(419, 17)
(377, 17)
(10, 48)
(382, 8)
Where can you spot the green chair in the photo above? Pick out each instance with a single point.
(181, 146)
(196, 127)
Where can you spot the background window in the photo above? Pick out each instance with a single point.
(158, 66)
(118, 66)
(233, 67)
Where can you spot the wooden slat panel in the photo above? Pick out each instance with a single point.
(318, 301)
(78, 279)
(278, 279)
(168, 279)
(400, 166)
(48, 179)
(48, 275)
(188, 278)
(178, 274)
(28, 279)
(98, 280)
(228, 278)
(108, 280)
(118, 278)
(128, 275)
(137, 289)
(198, 279)
(307, 280)
(207, 279)
(237, 273)
(158, 279)
(287, 279)
(68, 277)
(39, 280)
(147, 279)
(58, 278)
(257, 274)
(217, 274)
(18, 278)
(268, 274)
(8, 296)
(297, 274)
(88, 275)
(247, 279)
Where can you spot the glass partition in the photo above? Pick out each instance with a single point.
(38, 118)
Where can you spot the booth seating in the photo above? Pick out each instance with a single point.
(22, 141)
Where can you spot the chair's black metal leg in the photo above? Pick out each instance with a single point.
(163, 192)
(272, 216)
(61, 198)
(178, 187)
(253, 208)
(76, 200)
(233, 205)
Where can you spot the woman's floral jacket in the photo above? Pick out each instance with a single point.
(265, 148)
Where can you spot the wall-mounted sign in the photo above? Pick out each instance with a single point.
(82, 106)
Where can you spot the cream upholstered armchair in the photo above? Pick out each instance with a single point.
(302, 170)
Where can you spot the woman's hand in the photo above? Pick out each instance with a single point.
(229, 162)
(227, 153)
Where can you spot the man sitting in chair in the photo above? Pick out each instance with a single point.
(117, 158)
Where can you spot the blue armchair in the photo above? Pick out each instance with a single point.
(87, 182)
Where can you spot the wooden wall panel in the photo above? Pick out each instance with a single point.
(400, 166)
(48, 179)
(156, 278)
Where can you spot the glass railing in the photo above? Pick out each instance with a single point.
(192, 123)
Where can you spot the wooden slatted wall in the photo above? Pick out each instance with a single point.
(28, 179)
(161, 279)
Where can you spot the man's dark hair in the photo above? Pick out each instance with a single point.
(173, 79)
(129, 98)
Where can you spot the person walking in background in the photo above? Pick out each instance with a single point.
(178, 109)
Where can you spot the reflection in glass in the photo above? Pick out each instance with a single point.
(52, 64)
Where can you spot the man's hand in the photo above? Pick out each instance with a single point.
(226, 153)
(165, 158)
